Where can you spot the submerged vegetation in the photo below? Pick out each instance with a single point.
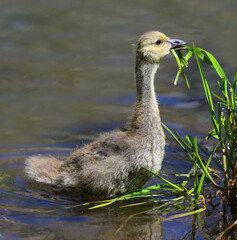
(213, 177)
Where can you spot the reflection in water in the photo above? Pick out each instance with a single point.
(66, 73)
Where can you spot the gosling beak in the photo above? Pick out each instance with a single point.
(176, 44)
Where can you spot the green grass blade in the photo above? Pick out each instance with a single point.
(176, 139)
(234, 91)
(221, 74)
(182, 141)
(185, 78)
(182, 59)
(177, 77)
(203, 57)
(163, 179)
(201, 182)
(216, 126)
(180, 68)
(206, 171)
(205, 84)
(188, 55)
(220, 98)
(179, 65)
(216, 65)
(185, 214)
(104, 204)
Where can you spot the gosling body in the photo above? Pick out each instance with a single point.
(114, 163)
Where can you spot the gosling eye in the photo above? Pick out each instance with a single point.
(158, 42)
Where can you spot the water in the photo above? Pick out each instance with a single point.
(66, 74)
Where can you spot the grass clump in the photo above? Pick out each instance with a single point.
(224, 121)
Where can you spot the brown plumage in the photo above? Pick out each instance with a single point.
(113, 164)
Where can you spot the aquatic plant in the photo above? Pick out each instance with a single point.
(202, 183)
(224, 121)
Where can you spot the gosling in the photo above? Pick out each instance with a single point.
(114, 164)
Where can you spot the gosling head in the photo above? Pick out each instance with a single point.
(153, 46)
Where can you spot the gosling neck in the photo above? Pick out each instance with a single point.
(145, 74)
(146, 114)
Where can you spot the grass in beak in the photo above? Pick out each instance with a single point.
(182, 62)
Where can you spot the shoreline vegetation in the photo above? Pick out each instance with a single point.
(213, 177)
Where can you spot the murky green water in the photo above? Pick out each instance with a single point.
(66, 74)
